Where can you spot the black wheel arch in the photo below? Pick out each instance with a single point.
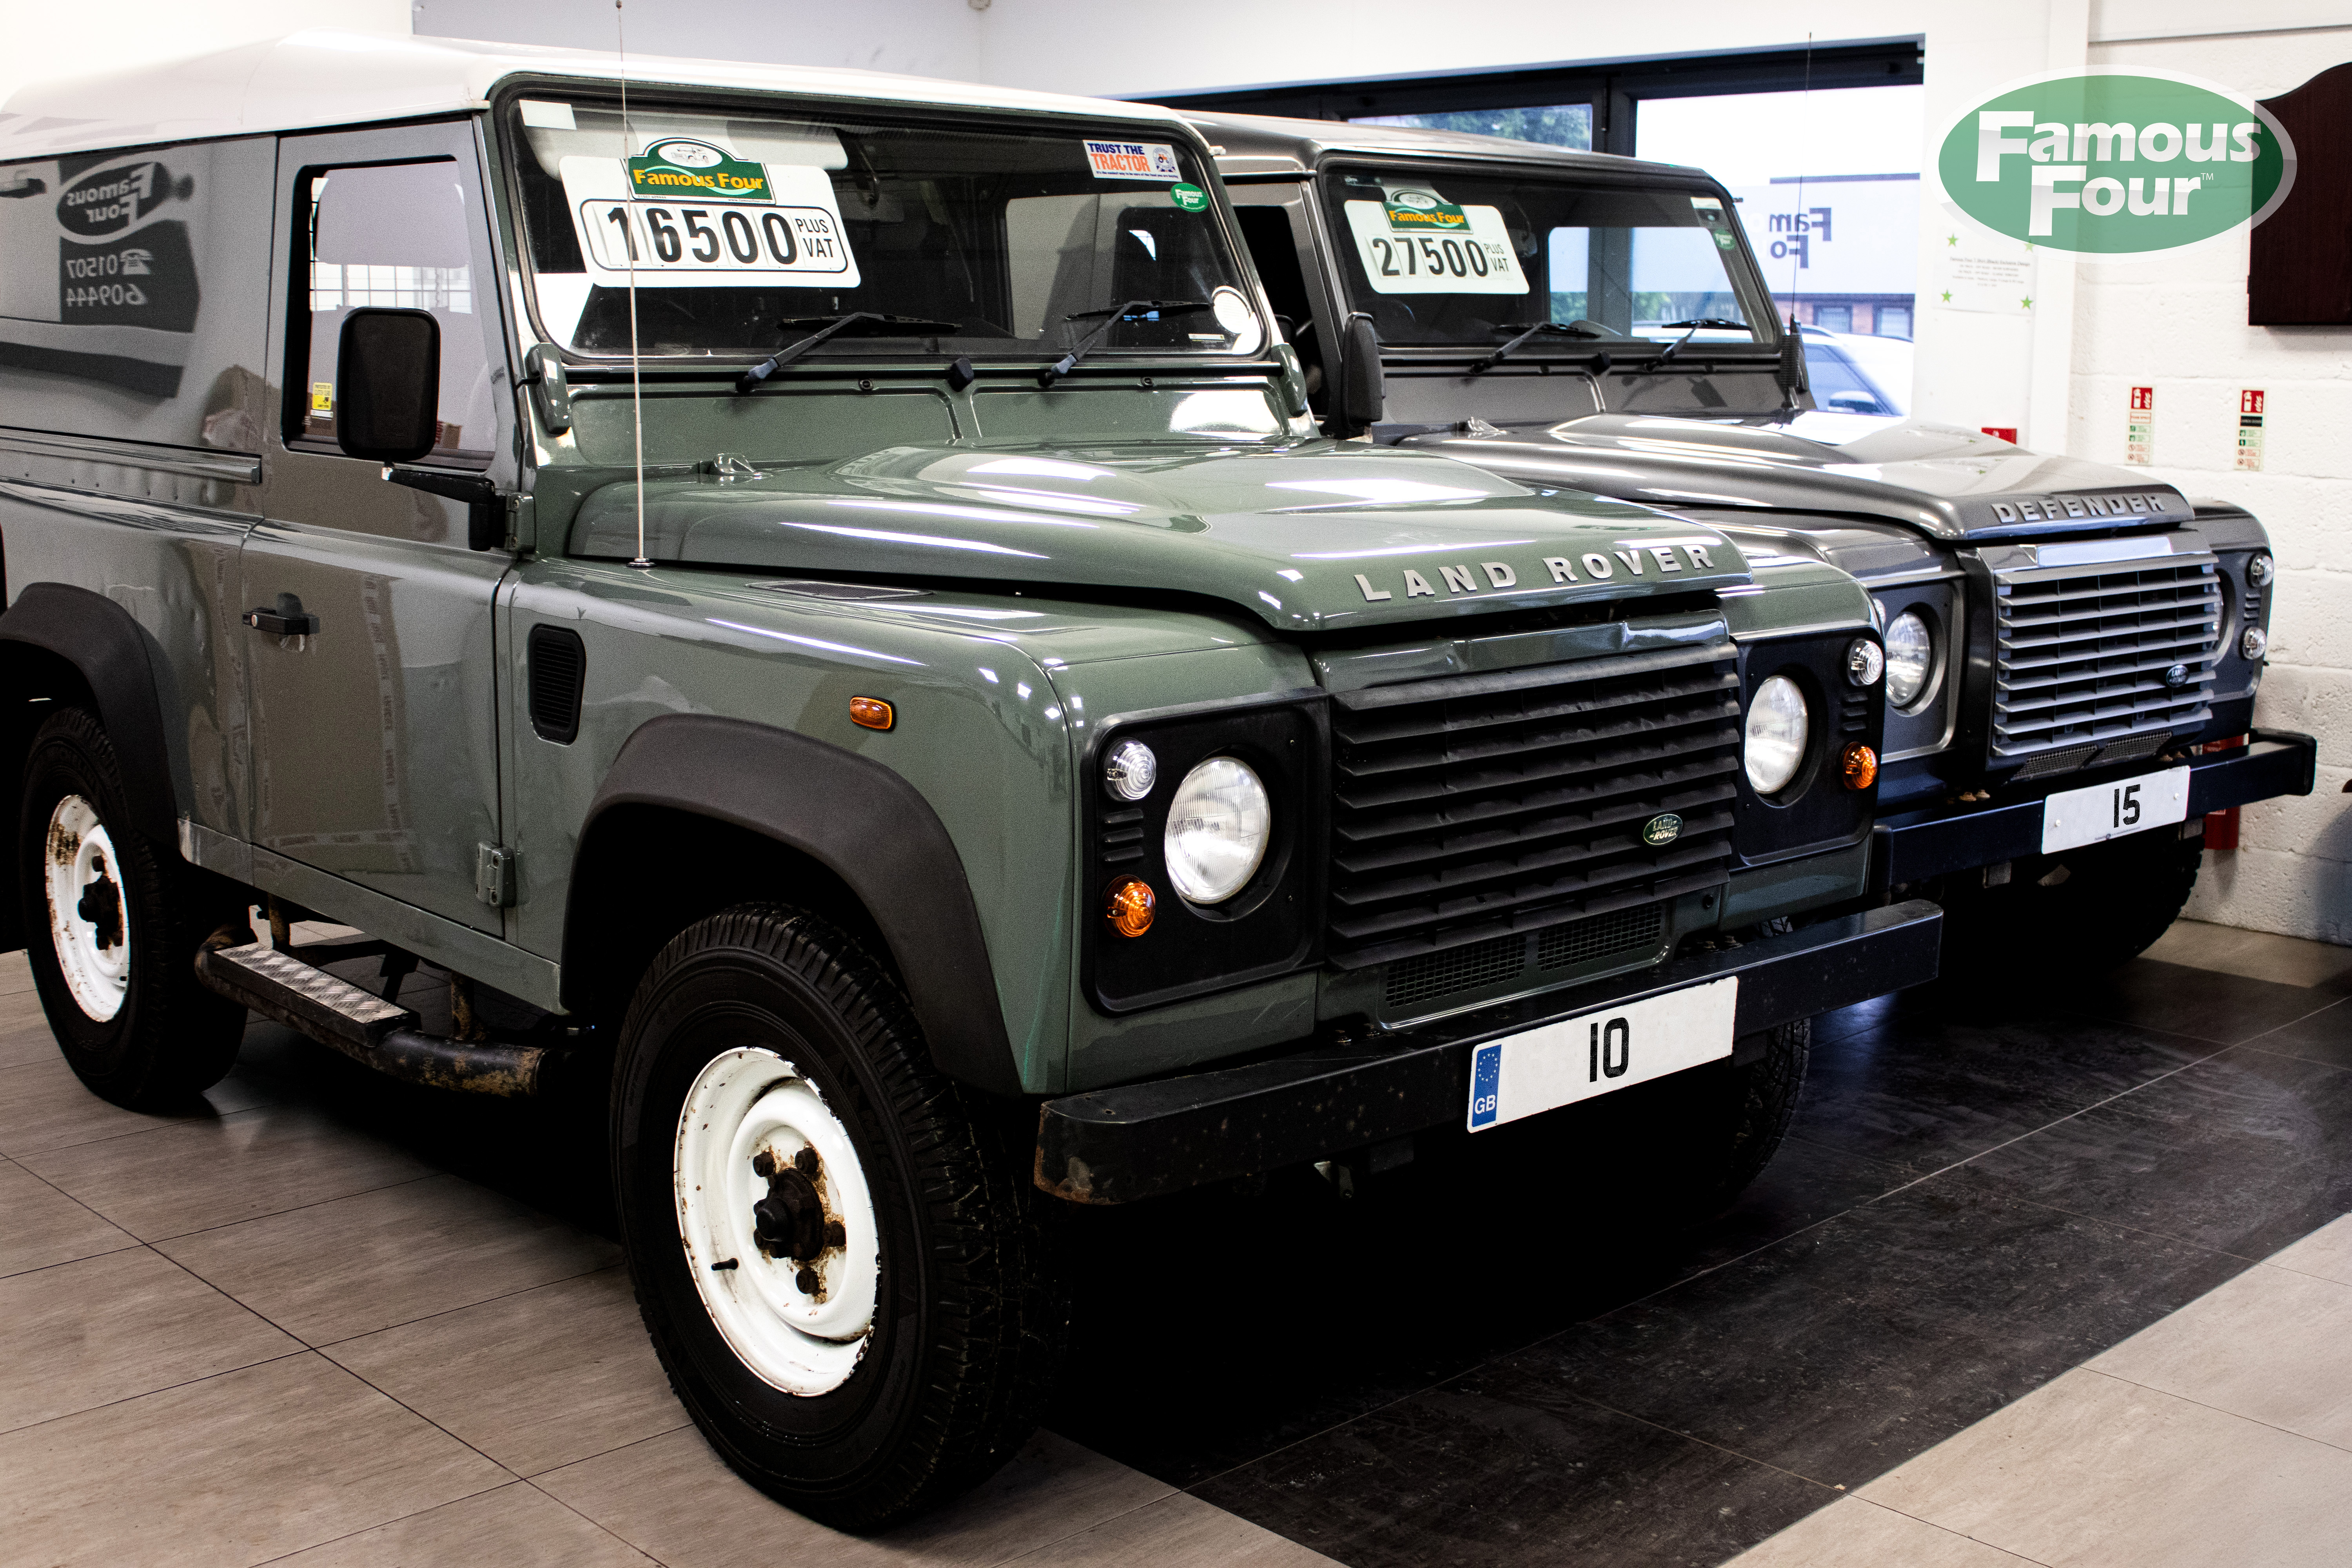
(769, 814)
(63, 644)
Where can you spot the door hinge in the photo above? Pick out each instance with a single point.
(494, 875)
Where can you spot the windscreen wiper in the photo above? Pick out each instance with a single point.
(1111, 318)
(1578, 328)
(1693, 325)
(834, 326)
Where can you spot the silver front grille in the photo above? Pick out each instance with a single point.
(2088, 658)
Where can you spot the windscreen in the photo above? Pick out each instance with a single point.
(748, 233)
(1438, 256)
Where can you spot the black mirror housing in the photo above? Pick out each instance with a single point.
(388, 385)
(1363, 387)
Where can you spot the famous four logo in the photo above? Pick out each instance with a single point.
(2117, 161)
(685, 167)
(111, 200)
(1415, 211)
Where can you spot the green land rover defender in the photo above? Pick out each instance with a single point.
(812, 603)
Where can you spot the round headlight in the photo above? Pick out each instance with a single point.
(1777, 729)
(1131, 770)
(1218, 825)
(1910, 657)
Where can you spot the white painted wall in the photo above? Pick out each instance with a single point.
(46, 40)
(917, 38)
(2180, 326)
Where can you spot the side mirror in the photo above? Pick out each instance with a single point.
(388, 385)
(1363, 389)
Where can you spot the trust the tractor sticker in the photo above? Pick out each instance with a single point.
(2117, 161)
(1133, 160)
(98, 278)
(688, 213)
(1413, 241)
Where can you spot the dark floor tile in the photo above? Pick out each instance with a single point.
(1930, 1087)
(2203, 1003)
(1472, 1475)
(2322, 1037)
(1856, 1344)
(2243, 1153)
(1334, 1327)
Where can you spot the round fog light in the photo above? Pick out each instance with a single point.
(2255, 643)
(2261, 569)
(1864, 662)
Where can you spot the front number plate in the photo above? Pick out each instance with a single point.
(1593, 1053)
(2080, 816)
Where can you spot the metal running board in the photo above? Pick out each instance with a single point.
(366, 1028)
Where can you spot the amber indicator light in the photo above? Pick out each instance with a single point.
(1131, 907)
(872, 712)
(1861, 766)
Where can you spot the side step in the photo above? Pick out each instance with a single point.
(367, 1028)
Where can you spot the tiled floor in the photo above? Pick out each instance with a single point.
(2062, 1283)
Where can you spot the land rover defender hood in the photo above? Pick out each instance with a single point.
(1315, 538)
(1945, 482)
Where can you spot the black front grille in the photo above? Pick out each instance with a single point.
(1500, 959)
(2090, 658)
(1475, 807)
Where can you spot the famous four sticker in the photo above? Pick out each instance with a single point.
(689, 213)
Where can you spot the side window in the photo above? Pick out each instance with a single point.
(398, 235)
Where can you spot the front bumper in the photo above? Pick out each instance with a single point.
(1935, 841)
(1116, 1145)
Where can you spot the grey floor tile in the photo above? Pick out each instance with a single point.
(2093, 1472)
(84, 1335)
(534, 1380)
(232, 1470)
(336, 1270)
(1853, 1533)
(1179, 1532)
(24, 1030)
(2272, 1345)
(40, 1226)
(2254, 954)
(2326, 1252)
(195, 1175)
(672, 1497)
(2322, 1037)
(517, 1526)
(43, 1106)
(15, 973)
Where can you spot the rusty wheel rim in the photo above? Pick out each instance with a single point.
(87, 918)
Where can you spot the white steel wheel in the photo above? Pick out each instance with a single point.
(87, 919)
(777, 1222)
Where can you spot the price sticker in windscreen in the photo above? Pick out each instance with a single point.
(688, 213)
(1414, 241)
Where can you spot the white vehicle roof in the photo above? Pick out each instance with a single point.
(321, 77)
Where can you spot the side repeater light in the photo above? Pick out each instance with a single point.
(1130, 906)
(1860, 766)
(872, 712)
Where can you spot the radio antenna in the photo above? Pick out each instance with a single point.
(629, 205)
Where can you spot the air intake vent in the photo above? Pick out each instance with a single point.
(558, 666)
(1482, 964)
(1478, 806)
(2088, 658)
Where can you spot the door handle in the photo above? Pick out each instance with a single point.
(288, 619)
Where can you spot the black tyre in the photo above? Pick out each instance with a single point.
(112, 924)
(837, 1252)
(1763, 1099)
(2060, 917)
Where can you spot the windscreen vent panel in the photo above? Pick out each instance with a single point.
(558, 668)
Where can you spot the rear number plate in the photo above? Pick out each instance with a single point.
(2080, 816)
(1593, 1053)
